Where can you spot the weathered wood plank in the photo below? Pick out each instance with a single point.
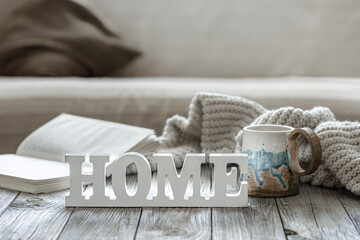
(298, 218)
(175, 223)
(316, 213)
(178, 223)
(260, 220)
(30, 216)
(351, 203)
(103, 223)
(330, 215)
(6, 198)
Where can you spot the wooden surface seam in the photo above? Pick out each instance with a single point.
(315, 213)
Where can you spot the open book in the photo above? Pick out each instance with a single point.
(38, 165)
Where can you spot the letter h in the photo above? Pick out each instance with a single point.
(77, 178)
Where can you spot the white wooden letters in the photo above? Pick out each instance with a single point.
(163, 188)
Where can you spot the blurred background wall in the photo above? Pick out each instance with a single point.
(235, 38)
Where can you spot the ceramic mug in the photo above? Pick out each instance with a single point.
(273, 165)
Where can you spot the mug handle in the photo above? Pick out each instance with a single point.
(293, 150)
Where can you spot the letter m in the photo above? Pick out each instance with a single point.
(166, 170)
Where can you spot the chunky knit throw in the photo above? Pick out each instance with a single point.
(215, 124)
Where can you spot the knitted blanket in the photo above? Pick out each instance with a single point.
(215, 124)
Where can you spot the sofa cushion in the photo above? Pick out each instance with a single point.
(59, 38)
(27, 103)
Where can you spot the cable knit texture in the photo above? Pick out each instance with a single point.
(215, 124)
(211, 126)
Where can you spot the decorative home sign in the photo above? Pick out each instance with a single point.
(152, 189)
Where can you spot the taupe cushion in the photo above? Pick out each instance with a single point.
(59, 38)
(25, 104)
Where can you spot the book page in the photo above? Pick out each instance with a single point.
(74, 134)
(31, 169)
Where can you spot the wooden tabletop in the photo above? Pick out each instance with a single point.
(316, 213)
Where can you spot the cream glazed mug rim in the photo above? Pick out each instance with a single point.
(268, 128)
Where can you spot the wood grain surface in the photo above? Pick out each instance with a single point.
(6, 198)
(316, 213)
(261, 220)
(331, 217)
(178, 223)
(103, 223)
(351, 204)
(298, 216)
(30, 216)
(175, 223)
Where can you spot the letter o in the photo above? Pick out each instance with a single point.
(119, 176)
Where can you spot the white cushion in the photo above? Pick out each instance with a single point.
(25, 104)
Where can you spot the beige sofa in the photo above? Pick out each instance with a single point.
(278, 53)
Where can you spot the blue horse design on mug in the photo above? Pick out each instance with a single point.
(263, 160)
